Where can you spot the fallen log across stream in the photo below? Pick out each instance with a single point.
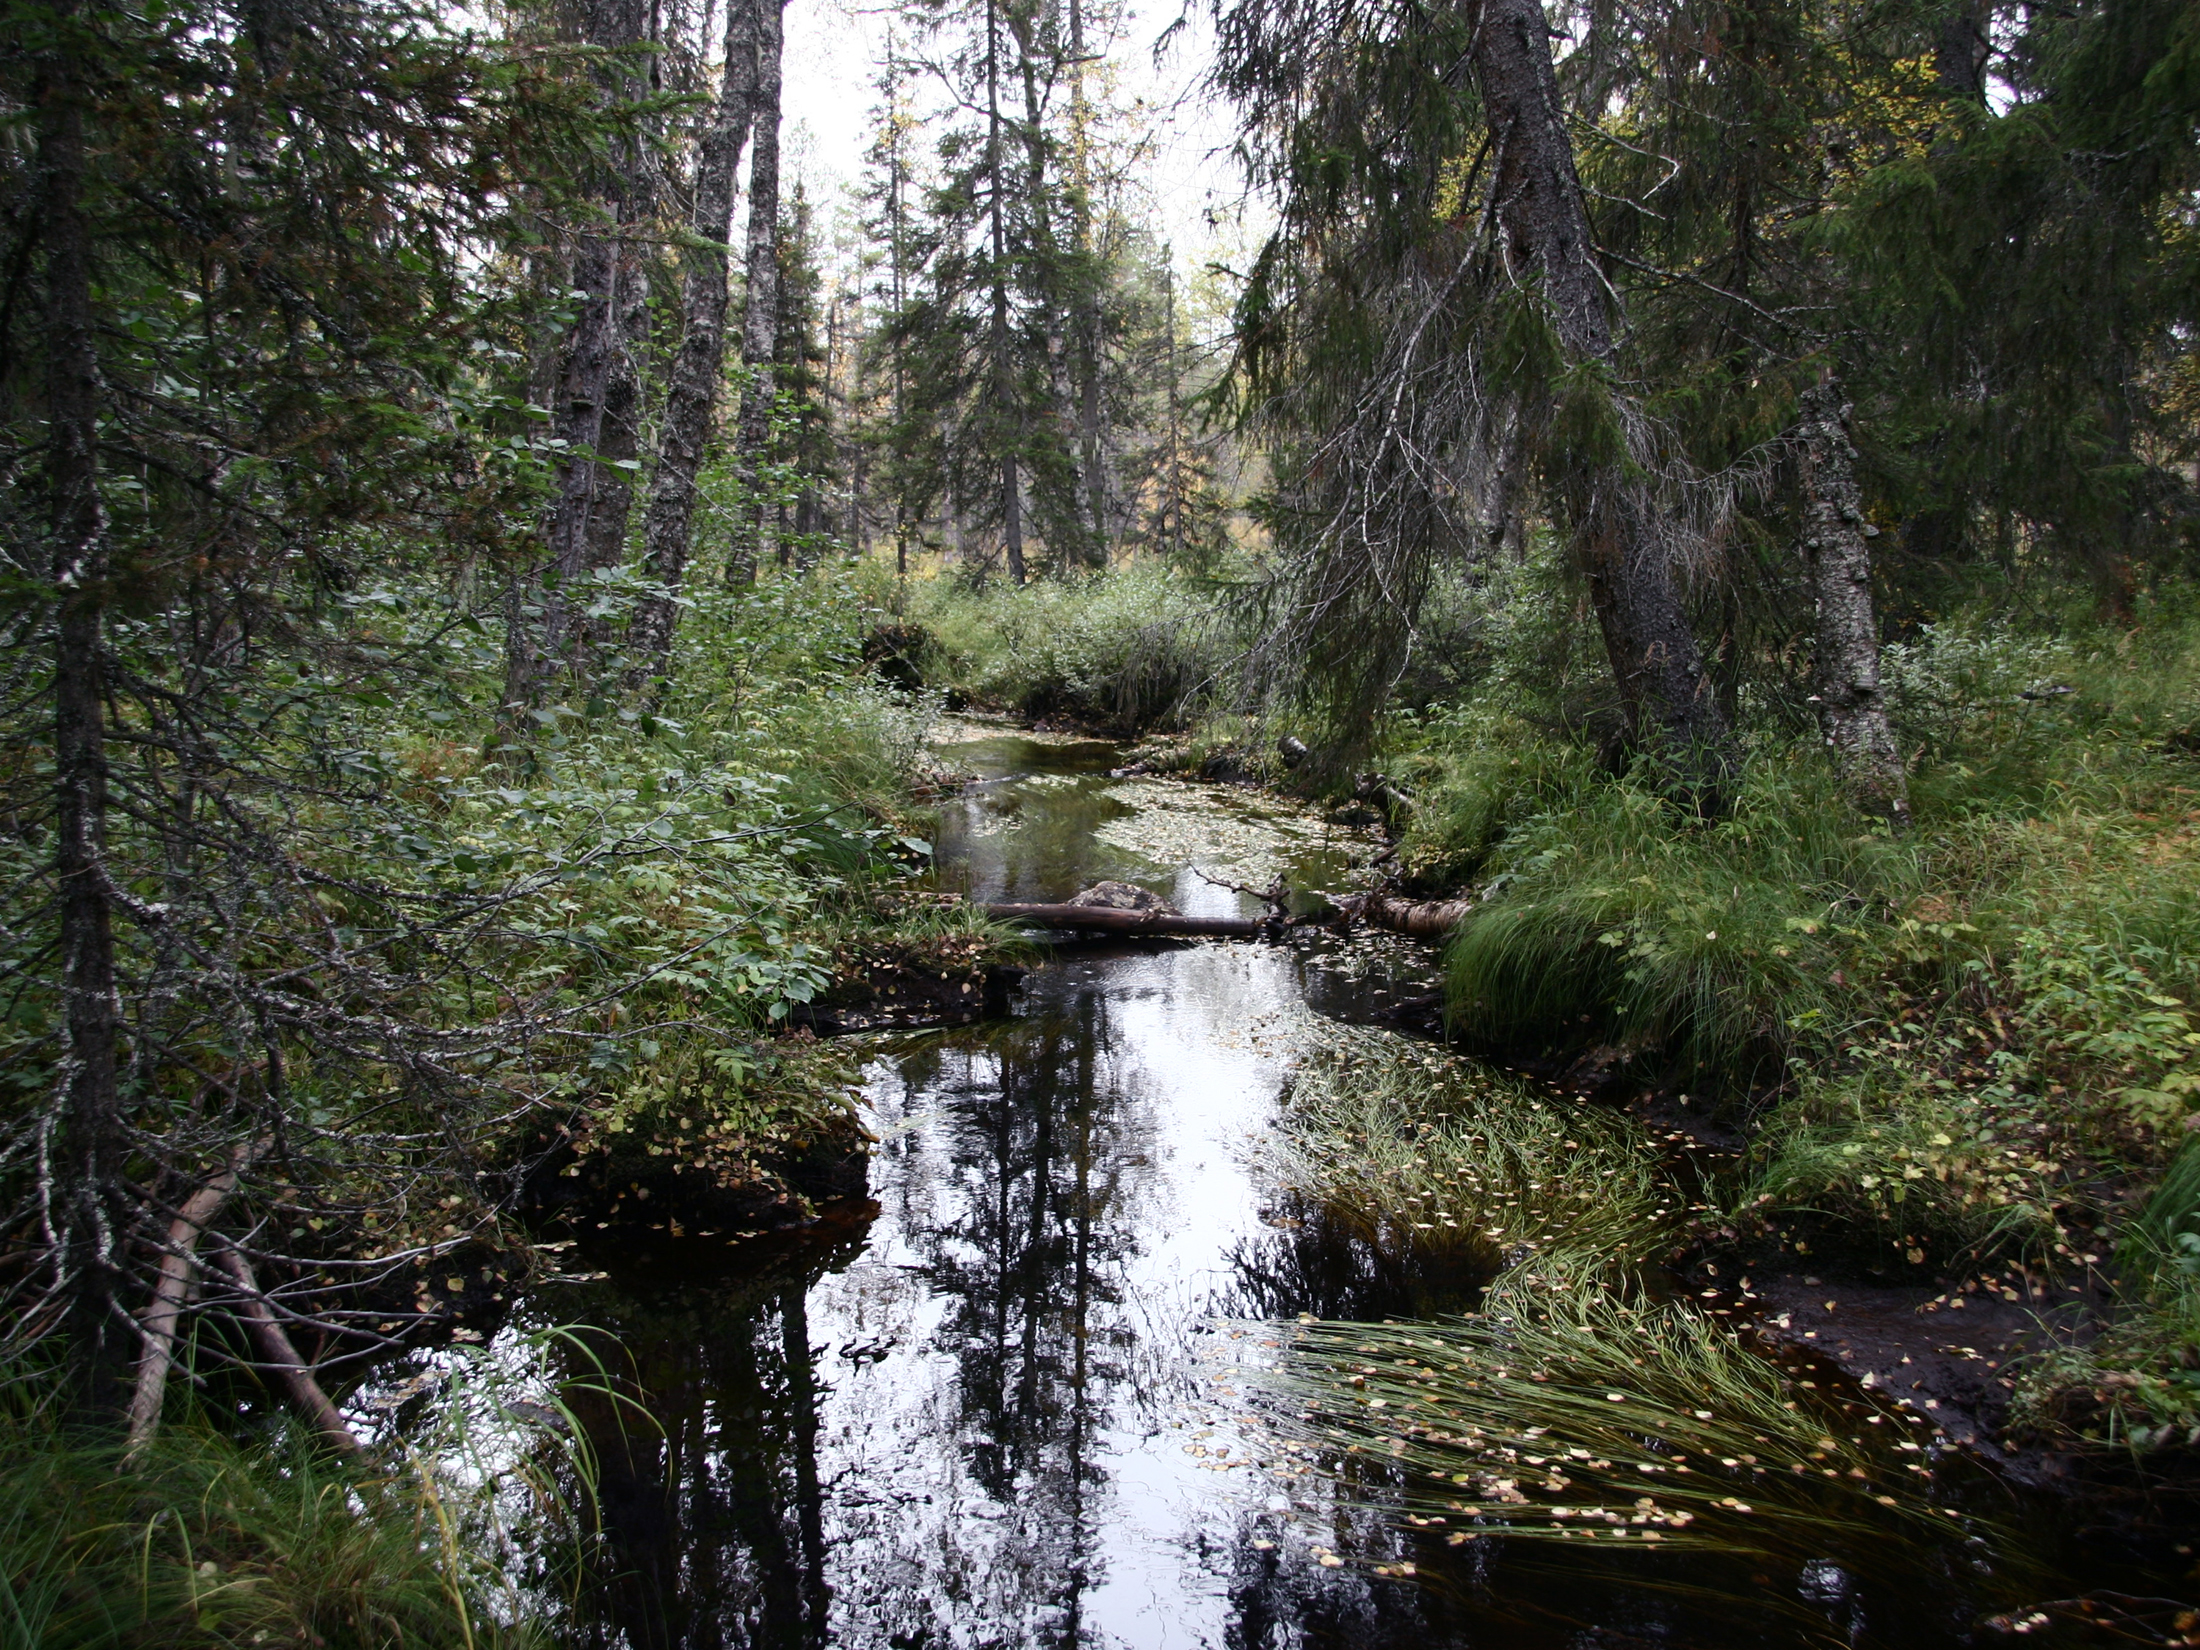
(1423, 919)
(1100, 919)
(1427, 919)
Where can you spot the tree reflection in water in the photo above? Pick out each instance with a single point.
(965, 1414)
(992, 1334)
(712, 1510)
(971, 1413)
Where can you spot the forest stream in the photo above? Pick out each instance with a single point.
(996, 1402)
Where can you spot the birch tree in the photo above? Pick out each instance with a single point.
(698, 367)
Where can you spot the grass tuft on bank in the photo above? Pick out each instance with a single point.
(1125, 652)
(1439, 1164)
(1970, 1044)
(1564, 1412)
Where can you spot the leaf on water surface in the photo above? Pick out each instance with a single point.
(1177, 824)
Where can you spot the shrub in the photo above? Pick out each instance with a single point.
(1124, 651)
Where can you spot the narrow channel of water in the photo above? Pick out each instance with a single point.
(978, 1409)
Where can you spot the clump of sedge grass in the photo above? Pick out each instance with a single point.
(1610, 918)
(455, 1531)
(209, 1541)
(1565, 1415)
(1433, 1159)
(1131, 649)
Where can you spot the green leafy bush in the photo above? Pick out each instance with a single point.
(1125, 651)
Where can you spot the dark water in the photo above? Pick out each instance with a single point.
(994, 1405)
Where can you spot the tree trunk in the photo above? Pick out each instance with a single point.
(169, 1292)
(1099, 919)
(619, 435)
(279, 1357)
(691, 401)
(1620, 535)
(81, 1178)
(760, 301)
(896, 182)
(1169, 524)
(1044, 261)
(1012, 518)
(1086, 327)
(1961, 47)
(1004, 374)
(859, 453)
(1852, 708)
(542, 624)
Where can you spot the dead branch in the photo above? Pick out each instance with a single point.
(1142, 924)
(1276, 896)
(282, 1357)
(1423, 919)
(176, 1262)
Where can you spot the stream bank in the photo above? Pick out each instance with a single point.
(991, 1395)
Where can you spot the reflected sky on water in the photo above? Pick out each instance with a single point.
(983, 1407)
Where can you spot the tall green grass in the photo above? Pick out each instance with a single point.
(1443, 1164)
(1134, 649)
(1726, 947)
(461, 1528)
(210, 1541)
(1608, 917)
(1976, 1042)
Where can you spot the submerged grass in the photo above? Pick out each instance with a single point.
(1571, 1407)
(1567, 1414)
(1442, 1163)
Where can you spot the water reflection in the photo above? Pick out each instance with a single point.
(1024, 831)
(713, 1510)
(975, 1411)
(967, 1423)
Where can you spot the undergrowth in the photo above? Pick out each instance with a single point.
(464, 1529)
(1974, 1040)
(1127, 651)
